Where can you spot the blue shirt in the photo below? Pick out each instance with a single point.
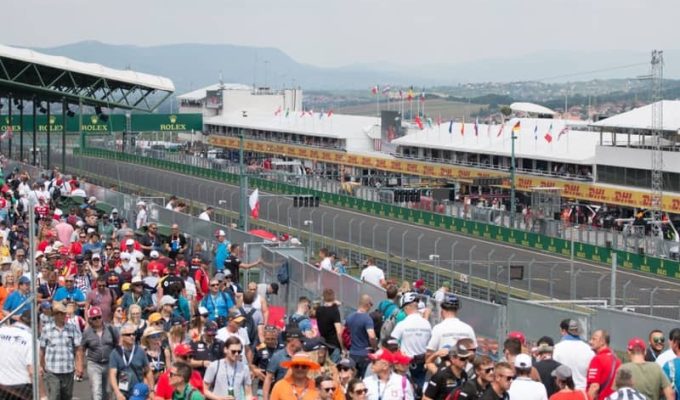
(672, 371)
(358, 323)
(14, 300)
(74, 294)
(221, 255)
(182, 309)
(218, 306)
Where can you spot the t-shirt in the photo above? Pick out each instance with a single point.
(545, 368)
(413, 334)
(358, 323)
(74, 294)
(226, 376)
(648, 378)
(16, 347)
(165, 390)
(448, 332)
(444, 382)
(601, 370)
(326, 318)
(672, 371)
(233, 264)
(575, 354)
(490, 394)
(373, 275)
(176, 243)
(201, 351)
(524, 388)
(132, 366)
(569, 395)
(274, 367)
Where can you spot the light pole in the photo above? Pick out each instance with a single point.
(310, 223)
(243, 184)
(512, 179)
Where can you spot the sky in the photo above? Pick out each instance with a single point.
(333, 33)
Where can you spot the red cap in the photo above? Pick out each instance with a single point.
(384, 355)
(401, 358)
(419, 283)
(182, 350)
(94, 311)
(63, 250)
(636, 342)
(517, 335)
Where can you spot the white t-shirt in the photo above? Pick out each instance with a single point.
(326, 264)
(204, 216)
(665, 357)
(17, 353)
(394, 389)
(223, 334)
(413, 334)
(372, 275)
(439, 296)
(524, 388)
(141, 218)
(575, 354)
(79, 193)
(448, 332)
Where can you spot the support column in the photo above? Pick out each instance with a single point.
(48, 148)
(64, 107)
(35, 131)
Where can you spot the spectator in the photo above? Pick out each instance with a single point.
(325, 384)
(216, 301)
(176, 243)
(624, 386)
(656, 345)
(139, 297)
(346, 372)
(329, 322)
(442, 291)
(16, 347)
(207, 214)
(61, 354)
(221, 250)
(449, 378)
(15, 299)
(157, 355)
(565, 385)
(363, 336)
(648, 378)
(300, 365)
(384, 380)
(229, 376)
(264, 351)
(70, 292)
(301, 317)
(446, 333)
(128, 365)
(254, 320)
(150, 240)
(235, 328)
(318, 350)
(357, 390)
(276, 369)
(602, 367)
(672, 367)
(573, 352)
(372, 274)
(180, 374)
(103, 298)
(141, 215)
(545, 364)
(234, 263)
(523, 387)
(263, 292)
(669, 354)
(413, 334)
(99, 340)
(164, 385)
(206, 349)
(326, 262)
(504, 374)
(475, 387)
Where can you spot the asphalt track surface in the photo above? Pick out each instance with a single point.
(420, 242)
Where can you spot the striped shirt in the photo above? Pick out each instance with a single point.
(626, 394)
(59, 346)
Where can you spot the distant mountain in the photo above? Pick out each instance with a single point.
(191, 66)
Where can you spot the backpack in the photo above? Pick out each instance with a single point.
(296, 319)
(282, 274)
(377, 317)
(250, 326)
(389, 318)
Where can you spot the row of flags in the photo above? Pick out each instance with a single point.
(408, 94)
(516, 128)
(279, 111)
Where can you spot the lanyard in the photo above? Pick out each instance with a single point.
(380, 394)
(230, 384)
(132, 354)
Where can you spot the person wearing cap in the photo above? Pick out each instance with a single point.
(164, 385)
(221, 250)
(128, 365)
(413, 333)
(179, 378)
(230, 375)
(133, 256)
(166, 307)
(446, 333)
(235, 328)
(138, 296)
(602, 367)
(384, 382)
(140, 392)
(16, 347)
(15, 299)
(648, 378)
(106, 228)
(61, 354)
(450, 378)
(523, 387)
(318, 349)
(347, 370)
(115, 218)
(99, 340)
(207, 349)
(264, 351)
(298, 385)
(276, 369)
(102, 297)
(565, 385)
(70, 292)
(216, 301)
(545, 364)
(573, 352)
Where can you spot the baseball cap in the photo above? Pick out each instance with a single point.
(136, 279)
(114, 211)
(94, 312)
(46, 305)
(176, 321)
(293, 332)
(636, 342)
(210, 328)
(220, 232)
(96, 256)
(562, 372)
(140, 392)
(346, 363)
(153, 254)
(155, 317)
(183, 349)
(236, 317)
(419, 283)
(315, 343)
(517, 335)
(219, 276)
(461, 349)
(24, 280)
(573, 328)
(408, 298)
(130, 242)
(523, 361)
(167, 300)
(382, 354)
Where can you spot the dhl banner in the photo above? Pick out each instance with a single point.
(598, 193)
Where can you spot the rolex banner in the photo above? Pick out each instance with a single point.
(115, 123)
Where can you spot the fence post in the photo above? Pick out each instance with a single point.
(470, 269)
(509, 262)
(612, 287)
(531, 265)
(403, 246)
(453, 264)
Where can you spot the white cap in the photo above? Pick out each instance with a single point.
(220, 232)
(136, 279)
(48, 249)
(80, 224)
(114, 211)
(154, 254)
(141, 203)
(523, 361)
(96, 255)
(57, 245)
(167, 300)
(130, 242)
(92, 198)
(90, 230)
(202, 310)
(58, 212)
(38, 254)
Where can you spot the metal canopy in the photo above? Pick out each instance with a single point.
(26, 74)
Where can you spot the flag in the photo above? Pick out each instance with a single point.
(419, 122)
(477, 126)
(254, 203)
(375, 89)
(536, 132)
(387, 89)
(564, 131)
(401, 94)
(278, 111)
(409, 94)
(500, 131)
(462, 128)
(287, 112)
(330, 113)
(516, 128)
(429, 122)
(548, 137)
(451, 126)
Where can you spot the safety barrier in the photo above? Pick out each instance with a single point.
(588, 252)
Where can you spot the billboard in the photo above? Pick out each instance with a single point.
(115, 123)
(213, 98)
(390, 129)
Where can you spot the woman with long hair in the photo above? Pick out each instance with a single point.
(177, 335)
(157, 355)
(135, 318)
(356, 390)
(10, 283)
(118, 319)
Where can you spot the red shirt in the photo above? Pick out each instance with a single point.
(42, 210)
(164, 389)
(202, 284)
(600, 371)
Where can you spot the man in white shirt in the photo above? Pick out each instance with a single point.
(446, 333)
(234, 328)
(383, 383)
(573, 352)
(523, 387)
(413, 334)
(667, 355)
(141, 215)
(372, 274)
(17, 358)
(326, 262)
(205, 215)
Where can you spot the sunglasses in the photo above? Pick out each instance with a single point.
(127, 334)
(95, 318)
(508, 378)
(304, 367)
(155, 336)
(232, 351)
(342, 369)
(361, 391)
(173, 374)
(659, 339)
(488, 370)
(214, 284)
(328, 389)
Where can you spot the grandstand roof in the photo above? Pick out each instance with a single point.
(531, 108)
(641, 118)
(200, 94)
(573, 146)
(26, 73)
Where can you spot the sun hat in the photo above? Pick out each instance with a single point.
(301, 359)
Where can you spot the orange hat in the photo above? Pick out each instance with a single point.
(301, 359)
